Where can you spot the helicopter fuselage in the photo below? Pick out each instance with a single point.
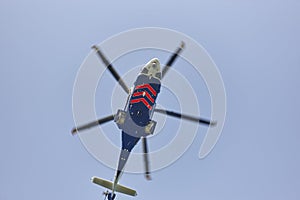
(135, 120)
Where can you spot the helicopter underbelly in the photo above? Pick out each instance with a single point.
(142, 100)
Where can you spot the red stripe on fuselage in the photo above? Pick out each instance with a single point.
(142, 94)
(146, 86)
(141, 100)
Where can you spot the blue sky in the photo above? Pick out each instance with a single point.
(255, 45)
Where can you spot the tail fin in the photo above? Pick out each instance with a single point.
(109, 185)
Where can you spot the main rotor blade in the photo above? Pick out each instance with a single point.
(187, 117)
(92, 124)
(111, 69)
(146, 158)
(172, 58)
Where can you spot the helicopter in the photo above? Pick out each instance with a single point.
(135, 120)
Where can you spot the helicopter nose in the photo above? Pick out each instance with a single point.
(152, 68)
(154, 63)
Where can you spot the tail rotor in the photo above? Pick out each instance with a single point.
(108, 195)
(105, 194)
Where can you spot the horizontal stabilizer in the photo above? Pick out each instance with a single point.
(109, 185)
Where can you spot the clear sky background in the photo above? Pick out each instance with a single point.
(255, 45)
